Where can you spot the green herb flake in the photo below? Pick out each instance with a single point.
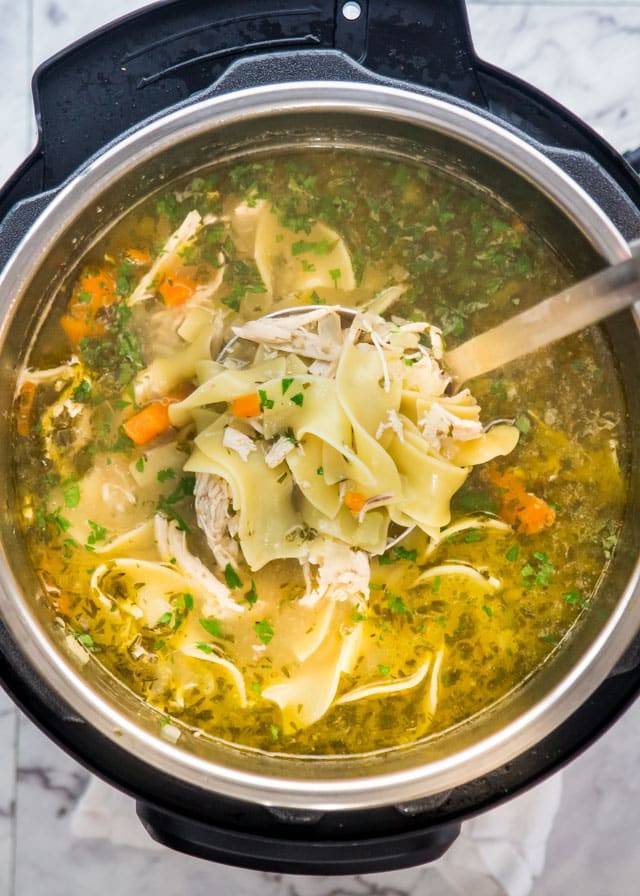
(285, 383)
(499, 389)
(212, 627)
(266, 403)
(264, 630)
(383, 670)
(204, 647)
(86, 640)
(317, 247)
(256, 687)
(165, 619)
(166, 474)
(96, 533)
(231, 577)
(320, 471)
(298, 399)
(71, 494)
(274, 731)
(539, 571)
(140, 463)
(472, 536)
(251, 595)
(512, 553)
(82, 392)
(523, 424)
(335, 274)
(396, 604)
(487, 610)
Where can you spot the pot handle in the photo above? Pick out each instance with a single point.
(295, 851)
(166, 54)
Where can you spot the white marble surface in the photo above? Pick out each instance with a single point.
(587, 54)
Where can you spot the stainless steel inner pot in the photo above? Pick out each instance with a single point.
(267, 119)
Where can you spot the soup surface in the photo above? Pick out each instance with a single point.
(309, 544)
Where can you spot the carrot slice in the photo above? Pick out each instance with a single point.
(149, 423)
(354, 501)
(525, 511)
(246, 405)
(177, 290)
(24, 408)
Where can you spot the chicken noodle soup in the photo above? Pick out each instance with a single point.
(310, 543)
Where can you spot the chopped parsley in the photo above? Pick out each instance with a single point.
(539, 571)
(397, 553)
(471, 536)
(231, 577)
(96, 533)
(320, 471)
(335, 274)
(165, 619)
(266, 403)
(212, 627)
(523, 424)
(298, 399)
(167, 503)
(512, 553)
(71, 495)
(317, 247)
(264, 630)
(286, 382)
(396, 604)
(140, 464)
(82, 392)
(204, 647)
(116, 356)
(166, 474)
(383, 670)
(86, 640)
(499, 389)
(251, 595)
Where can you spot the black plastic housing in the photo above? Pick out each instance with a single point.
(145, 64)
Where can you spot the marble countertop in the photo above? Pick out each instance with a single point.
(586, 54)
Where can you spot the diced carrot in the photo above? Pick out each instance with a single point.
(24, 408)
(354, 501)
(93, 291)
(76, 329)
(177, 290)
(525, 511)
(148, 423)
(139, 256)
(246, 405)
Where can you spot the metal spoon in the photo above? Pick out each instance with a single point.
(606, 293)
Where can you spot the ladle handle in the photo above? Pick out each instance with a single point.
(611, 290)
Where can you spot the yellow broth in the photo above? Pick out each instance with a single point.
(471, 262)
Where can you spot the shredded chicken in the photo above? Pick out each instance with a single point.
(172, 546)
(341, 573)
(291, 333)
(212, 502)
(236, 441)
(394, 423)
(278, 451)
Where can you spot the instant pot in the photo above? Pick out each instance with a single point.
(175, 87)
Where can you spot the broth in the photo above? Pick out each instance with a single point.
(85, 475)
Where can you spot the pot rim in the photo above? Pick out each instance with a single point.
(83, 189)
